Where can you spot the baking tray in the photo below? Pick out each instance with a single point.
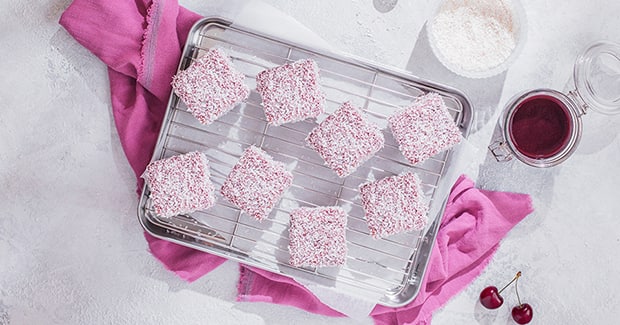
(389, 270)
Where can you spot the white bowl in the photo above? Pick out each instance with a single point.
(465, 49)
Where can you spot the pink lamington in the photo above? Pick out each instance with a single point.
(291, 92)
(210, 86)
(425, 128)
(394, 205)
(345, 140)
(180, 184)
(256, 183)
(317, 237)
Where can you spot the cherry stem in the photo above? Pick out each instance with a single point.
(517, 291)
(509, 283)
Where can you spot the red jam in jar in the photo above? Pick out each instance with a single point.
(540, 126)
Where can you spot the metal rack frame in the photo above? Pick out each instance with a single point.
(392, 267)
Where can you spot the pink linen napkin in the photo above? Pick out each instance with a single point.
(473, 224)
(141, 43)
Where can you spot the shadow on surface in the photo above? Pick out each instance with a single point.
(484, 94)
(516, 176)
(599, 131)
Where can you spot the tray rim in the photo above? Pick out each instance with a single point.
(393, 298)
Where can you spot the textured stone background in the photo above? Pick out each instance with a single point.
(71, 248)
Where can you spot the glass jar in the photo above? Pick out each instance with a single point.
(542, 127)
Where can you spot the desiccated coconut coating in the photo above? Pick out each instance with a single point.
(394, 205)
(256, 183)
(345, 140)
(180, 184)
(291, 92)
(317, 236)
(210, 86)
(424, 129)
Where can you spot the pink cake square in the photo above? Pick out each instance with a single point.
(345, 140)
(256, 183)
(210, 86)
(425, 128)
(291, 92)
(180, 184)
(394, 205)
(317, 237)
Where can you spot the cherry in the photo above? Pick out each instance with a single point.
(522, 314)
(491, 298)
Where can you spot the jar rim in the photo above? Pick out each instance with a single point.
(575, 129)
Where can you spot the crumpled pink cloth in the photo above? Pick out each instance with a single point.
(141, 43)
(473, 224)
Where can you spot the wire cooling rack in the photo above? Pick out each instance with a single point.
(389, 268)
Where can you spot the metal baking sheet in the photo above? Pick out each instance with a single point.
(390, 268)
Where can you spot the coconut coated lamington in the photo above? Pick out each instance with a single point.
(317, 237)
(256, 183)
(394, 205)
(345, 140)
(425, 128)
(180, 184)
(210, 87)
(291, 92)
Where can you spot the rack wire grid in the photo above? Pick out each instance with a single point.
(390, 267)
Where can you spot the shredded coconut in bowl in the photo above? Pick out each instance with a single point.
(477, 38)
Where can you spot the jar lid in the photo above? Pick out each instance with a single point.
(597, 77)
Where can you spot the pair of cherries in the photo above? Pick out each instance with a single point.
(490, 298)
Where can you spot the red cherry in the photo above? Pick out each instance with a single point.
(490, 298)
(522, 314)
